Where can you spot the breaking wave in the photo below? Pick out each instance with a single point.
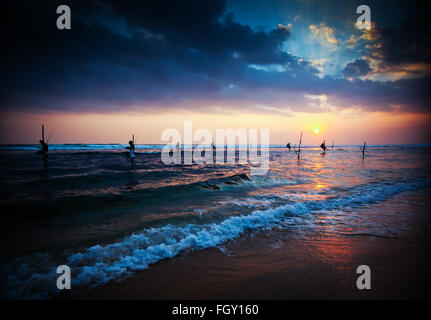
(35, 276)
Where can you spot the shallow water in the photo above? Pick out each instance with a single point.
(86, 208)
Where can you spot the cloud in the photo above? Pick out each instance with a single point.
(359, 67)
(324, 34)
(319, 64)
(323, 102)
(191, 54)
(400, 52)
(366, 35)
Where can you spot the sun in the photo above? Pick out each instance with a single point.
(316, 130)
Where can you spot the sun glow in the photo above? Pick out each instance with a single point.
(316, 130)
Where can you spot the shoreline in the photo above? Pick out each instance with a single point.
(323, 268)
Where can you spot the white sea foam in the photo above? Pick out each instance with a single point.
(35, 277)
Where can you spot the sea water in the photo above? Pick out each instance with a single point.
(85, 207)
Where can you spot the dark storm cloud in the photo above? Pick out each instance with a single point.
(359, 67)
(404, 49)
(142, 54)
(409, 42)
(176, 51)
(202, 25)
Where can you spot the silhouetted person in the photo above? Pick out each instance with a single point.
(43, 147)
(323, 146)
(131, 148)
(288, 146)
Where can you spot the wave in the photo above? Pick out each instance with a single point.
(105, 195)
(35, 277)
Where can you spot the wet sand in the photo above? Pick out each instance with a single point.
(287, 268)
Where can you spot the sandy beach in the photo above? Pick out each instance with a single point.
(280, 265)
(320, 269)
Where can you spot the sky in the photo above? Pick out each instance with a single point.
(140, 67)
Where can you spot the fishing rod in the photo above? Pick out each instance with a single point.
(52, 131)
(137, 138)
(299, 148)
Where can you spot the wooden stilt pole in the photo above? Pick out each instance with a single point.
(299, 147)
(133, 140)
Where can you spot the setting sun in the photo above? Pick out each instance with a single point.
(316, 130)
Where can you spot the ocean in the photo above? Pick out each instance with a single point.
(85, 207)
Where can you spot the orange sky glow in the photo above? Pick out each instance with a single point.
(344, 128)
